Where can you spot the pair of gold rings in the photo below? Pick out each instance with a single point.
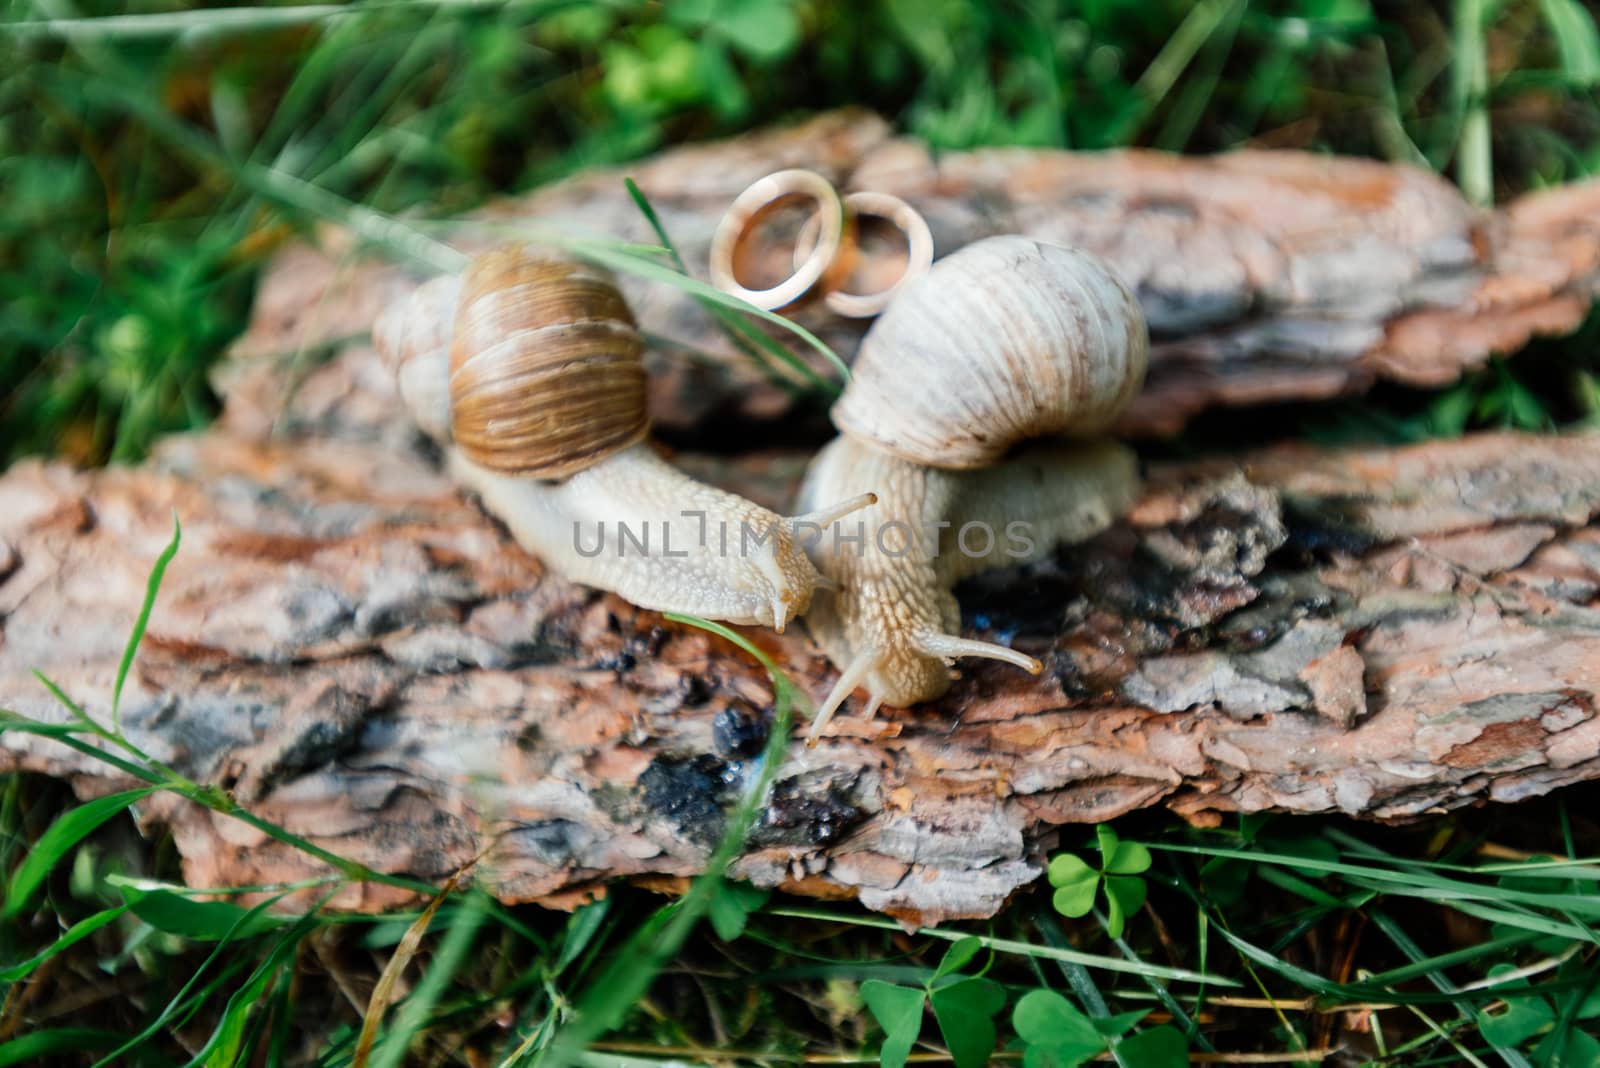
(825, 252)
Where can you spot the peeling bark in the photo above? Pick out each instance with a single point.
(358, 654)
(1265, 275)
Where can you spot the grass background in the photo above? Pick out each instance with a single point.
(153, 156)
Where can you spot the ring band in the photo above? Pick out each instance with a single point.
(919, 251)
(828, 262)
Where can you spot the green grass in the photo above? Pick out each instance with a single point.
(153, 157)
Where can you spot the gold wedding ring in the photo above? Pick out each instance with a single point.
(832, 255)
(919, 251)
(826, 248)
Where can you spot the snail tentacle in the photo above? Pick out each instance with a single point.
(950, 646)
(854, 673)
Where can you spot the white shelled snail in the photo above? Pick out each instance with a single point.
(1006, 341)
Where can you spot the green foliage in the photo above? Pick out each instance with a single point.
(142, 621)
(1052, 1031)
(1078, 884)
(732, 905)
(64, 834)
(152, 157)
(963, 1005)
(1057, 1034)
(898, 1010)
(174, 912)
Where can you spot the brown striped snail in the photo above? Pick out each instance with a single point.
(527, 367)
(1002, 342)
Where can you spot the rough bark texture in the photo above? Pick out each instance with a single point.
(361, 656)
(1265, 276)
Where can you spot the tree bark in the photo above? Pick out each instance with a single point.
(361, 656)
(1265, 276)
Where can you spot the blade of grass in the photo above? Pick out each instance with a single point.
(1402, 941)
(629, 976)
(248, 996)
(1470, 90)
(1010, 946)
(1175, 56)
(610, 256)
(1416, 883)
(67, 831)
(214, 22)
(45, 1047)
(1494, 948)
(172, 1006)
(1188, 108)
(753, 343)
(151, 587)
(278, 187)
(1578, 39)
(70, 937)
(383, 990)
(446, 962)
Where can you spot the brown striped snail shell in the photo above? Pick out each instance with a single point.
(546, 376)
(527, 369)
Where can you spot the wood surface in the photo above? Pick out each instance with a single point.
(355, 651)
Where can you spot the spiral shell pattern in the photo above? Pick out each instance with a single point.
(546, 377)
(1006, 340)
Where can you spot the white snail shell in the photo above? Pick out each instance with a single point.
(1006, 340)
(414, 338)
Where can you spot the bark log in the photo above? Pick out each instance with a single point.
(360, 655)
(1265, 275)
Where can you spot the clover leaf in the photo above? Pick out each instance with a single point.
(898, 1010)
(965, 1010)
(1519, 1016)
(731, 907)
(1057, 1033)
(963, 1005)
(1159, 1047)
(1078, 884)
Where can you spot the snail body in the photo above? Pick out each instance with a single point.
(527, 370)
(1007, 341)
(639, 527)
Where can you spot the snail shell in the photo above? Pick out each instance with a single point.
(413, 336)
(542, 349)
(546, 377)
(1007, 339)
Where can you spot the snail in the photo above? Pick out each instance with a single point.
(1005, 341)
(527, 368)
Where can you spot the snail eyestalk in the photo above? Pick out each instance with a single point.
(948, 647)
(849, 679)
(823, 518)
